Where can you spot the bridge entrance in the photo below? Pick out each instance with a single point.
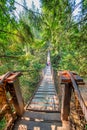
(44, 110)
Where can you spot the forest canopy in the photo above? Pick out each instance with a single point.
(24, 41)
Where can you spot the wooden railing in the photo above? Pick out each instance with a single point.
(11, 101)
(71, 81)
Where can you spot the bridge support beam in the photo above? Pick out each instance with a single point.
(66, 97)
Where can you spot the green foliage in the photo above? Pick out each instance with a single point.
(68, 40)
(21, 47)
(2, 124)
(84, 6)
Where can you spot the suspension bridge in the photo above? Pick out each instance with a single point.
(49, 106)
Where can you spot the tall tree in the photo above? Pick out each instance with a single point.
(65, 35)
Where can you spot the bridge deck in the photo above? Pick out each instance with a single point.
(40, 121)
(45, 99)
(43, 111)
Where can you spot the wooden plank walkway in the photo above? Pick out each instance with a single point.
(45, 99)
(40, 121)
(43, 111)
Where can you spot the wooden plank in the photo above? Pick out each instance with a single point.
(44, 103)
(77, 78)
(80, 83)
(44, 109)
(40, 96)
(54, 101)
(33, 104)
(44, 93)
(46, 88)
(43, 115)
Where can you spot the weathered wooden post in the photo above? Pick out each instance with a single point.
(66, 89)
(4, 106)
(66, 97)
(15, 91)
(59, 89)
(5, 109)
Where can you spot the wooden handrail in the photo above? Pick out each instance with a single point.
(72, 80)
(4, 77)
(9, 77)
(77, 91)
(9, 83)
